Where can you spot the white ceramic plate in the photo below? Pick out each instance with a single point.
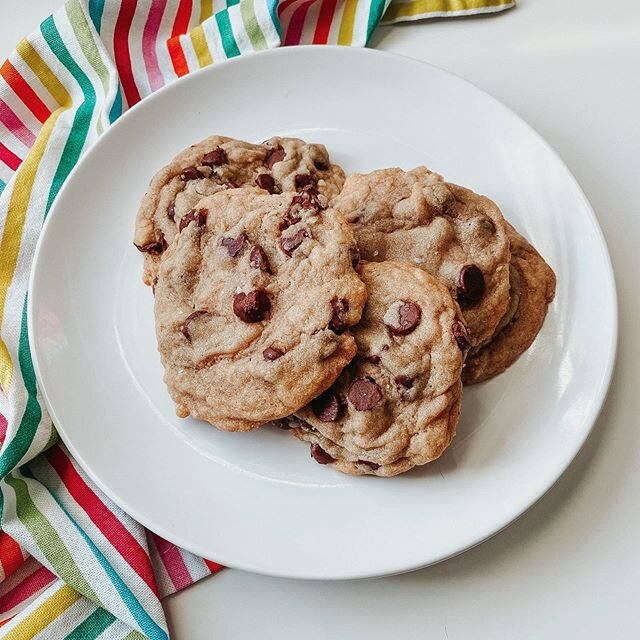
(257, 501)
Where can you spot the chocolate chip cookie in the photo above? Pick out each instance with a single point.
(533, 286)
(218, 163)
(396, 405)
(447, 230)
(253, 305)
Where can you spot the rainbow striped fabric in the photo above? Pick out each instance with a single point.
(72, 564)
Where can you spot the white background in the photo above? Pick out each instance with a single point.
(570, 567)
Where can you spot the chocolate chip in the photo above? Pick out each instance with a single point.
(320, 455)
(191, 173)
(215, 158)
(199, 216)
(258, 259)
(354, 254)
(288, 220)
(154, 248)
(252, 306)
(171, 211)
(266, 182)
(329, 407)
(374, 359)
(272, 353)
(275, 154)
(408, 318)
(364, 394)
(188, 320)
(460, 334)
(372, 465)
(470, 284)
(304, 180)
(321, 164)
(404, 381)
(306, 199)
(338, 322)
(234, 245)
(290, 244)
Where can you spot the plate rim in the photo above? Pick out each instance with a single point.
(599, 394)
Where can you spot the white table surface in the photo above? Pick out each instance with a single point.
(570, 567)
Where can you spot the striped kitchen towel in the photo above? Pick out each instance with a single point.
(73, 564)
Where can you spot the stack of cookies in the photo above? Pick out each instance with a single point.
(349, 311)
